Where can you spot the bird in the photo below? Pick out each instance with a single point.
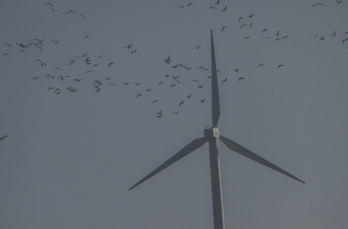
(98, 89)
(159, 115)
(241, 78)
(223, 28)
(181, 103)
(167, 60)
(236, 69)
(251, 15)
(176, 112)
(136, 83)
(160, 112)
(172, 85)
(264, 30)
(134, 51)
(240, 18)
(345, 39)
(56, 42)
(84, 17)
(148, 89)
(129, 46)
(225, 80)
(280, 65)
(243, 25)
(57, 91)
(322, 37)
(138, 95)
(35, 78)
(247, 37)
(200, 86)
(155, 101)
(189, 4)
(113, 84)
(212, 7)
(50, 88)
(339, 1)
(111, 63)
(77, 80)
(159, 83)
(49, 3)
(224, 9)
(43, 65)
(260, 65)
(57, 68)
(202, 100)
(198, 46)
(189, 96)
(334, 34)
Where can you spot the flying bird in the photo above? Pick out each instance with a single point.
(181, 103)
(224, 9)
(198, 46)
(280, 65)
(138, 95)
(241, 78)
(223, 28)
(200, 86)
(56, 42)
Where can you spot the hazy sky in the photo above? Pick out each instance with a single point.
(80, 111)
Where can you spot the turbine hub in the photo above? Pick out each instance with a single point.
(212, 133)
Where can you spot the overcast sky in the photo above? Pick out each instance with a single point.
(90, 106)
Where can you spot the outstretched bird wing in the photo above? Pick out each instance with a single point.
(247, 153)
(3, 137)
(195, 144)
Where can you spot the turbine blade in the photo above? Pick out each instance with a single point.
(195, 144)
(214, 86)
(247, 153)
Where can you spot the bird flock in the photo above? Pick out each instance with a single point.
(87, 67)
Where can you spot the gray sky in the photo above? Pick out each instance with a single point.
(70, 158)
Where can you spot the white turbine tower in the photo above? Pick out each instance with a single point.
(213, 135)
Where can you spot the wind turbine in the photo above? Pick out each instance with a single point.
(212, 135)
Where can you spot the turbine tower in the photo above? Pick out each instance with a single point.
(213, 135)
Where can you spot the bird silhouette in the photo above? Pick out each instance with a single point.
(223, 28)
(138, 95)
(202, 100)
(155, 101)
(225, 80)
(189, 96)
(224, 9)
(280, 65)
(198, 46)
(176, 112)
(181, 103)
(56, 42)
(200, 86)
(241, 78)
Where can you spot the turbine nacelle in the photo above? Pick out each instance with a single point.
(212, 133)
